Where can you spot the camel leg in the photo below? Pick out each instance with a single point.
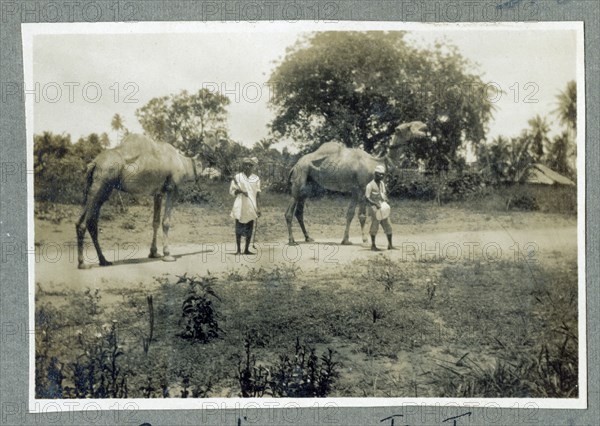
(300, 217)
(89, 220)
(155, 225)
(92, 226)
(289, 214)
(81, 227)
(362, 217)
(349, 217)
(166, 224)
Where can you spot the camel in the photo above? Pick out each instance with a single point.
(138, 166)
(336, 167)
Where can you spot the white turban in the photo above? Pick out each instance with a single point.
(380, 169)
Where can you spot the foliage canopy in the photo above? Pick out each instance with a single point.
(357, 87)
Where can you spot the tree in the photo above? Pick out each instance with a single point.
(88, 148)
(357, 87)
(494, 158)
(567, 114)
(506, 160)
(185, 119)
(57, 170)
(558, 154)
(538, 132)
(567, 106)
(59, 165)
(118, 125)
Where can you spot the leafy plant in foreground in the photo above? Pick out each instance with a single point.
(254, 381)
(199, 315)
(304, 375)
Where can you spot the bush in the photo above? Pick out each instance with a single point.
(303, 375)
(416, 186)
(524, 202)
(199, 315)
(189, 192)
(383, 271)
(464, 186)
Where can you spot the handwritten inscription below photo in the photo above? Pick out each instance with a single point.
(380, 211)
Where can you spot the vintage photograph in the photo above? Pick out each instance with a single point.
(383, 211)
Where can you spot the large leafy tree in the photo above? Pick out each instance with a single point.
(185, 119)
(356, 87)
(59, 165)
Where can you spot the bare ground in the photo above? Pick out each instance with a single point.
(202, 240)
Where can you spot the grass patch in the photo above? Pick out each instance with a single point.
(401, 329)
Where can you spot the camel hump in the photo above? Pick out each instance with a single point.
(330, 148)
(134, 145)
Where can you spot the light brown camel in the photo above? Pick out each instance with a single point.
(138, 166)
(338, 168)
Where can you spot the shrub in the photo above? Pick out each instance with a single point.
(196, 194)
(524, 202)
(301, 375)
(254, 381)
(304, 375)
(412, 187)
(383, 271)
(199, 315)
(464, 186)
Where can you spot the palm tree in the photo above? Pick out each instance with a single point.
(118, 125)
(566, 112)
(558, 155)
(567, 106)
(539, 129)
(519, 157)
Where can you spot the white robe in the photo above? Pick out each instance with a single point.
(245, 207)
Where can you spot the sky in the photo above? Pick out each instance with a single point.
(130, 69)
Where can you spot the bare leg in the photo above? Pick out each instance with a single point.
(92, 226)
(300, 217)
(81, 228)
(362, 217)
(248, 235)
(373, 245)
(289, 214)
(166, 225)
(349, 217)
(155, 225)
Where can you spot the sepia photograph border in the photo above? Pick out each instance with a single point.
(32, 30)
(588, 272)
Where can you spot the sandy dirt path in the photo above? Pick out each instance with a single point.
(59, 272)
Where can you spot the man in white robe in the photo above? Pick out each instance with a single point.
(245, 186)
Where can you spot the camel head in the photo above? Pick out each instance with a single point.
(404, 133)
(407, 131)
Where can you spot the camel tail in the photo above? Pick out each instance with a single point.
(89, 179)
